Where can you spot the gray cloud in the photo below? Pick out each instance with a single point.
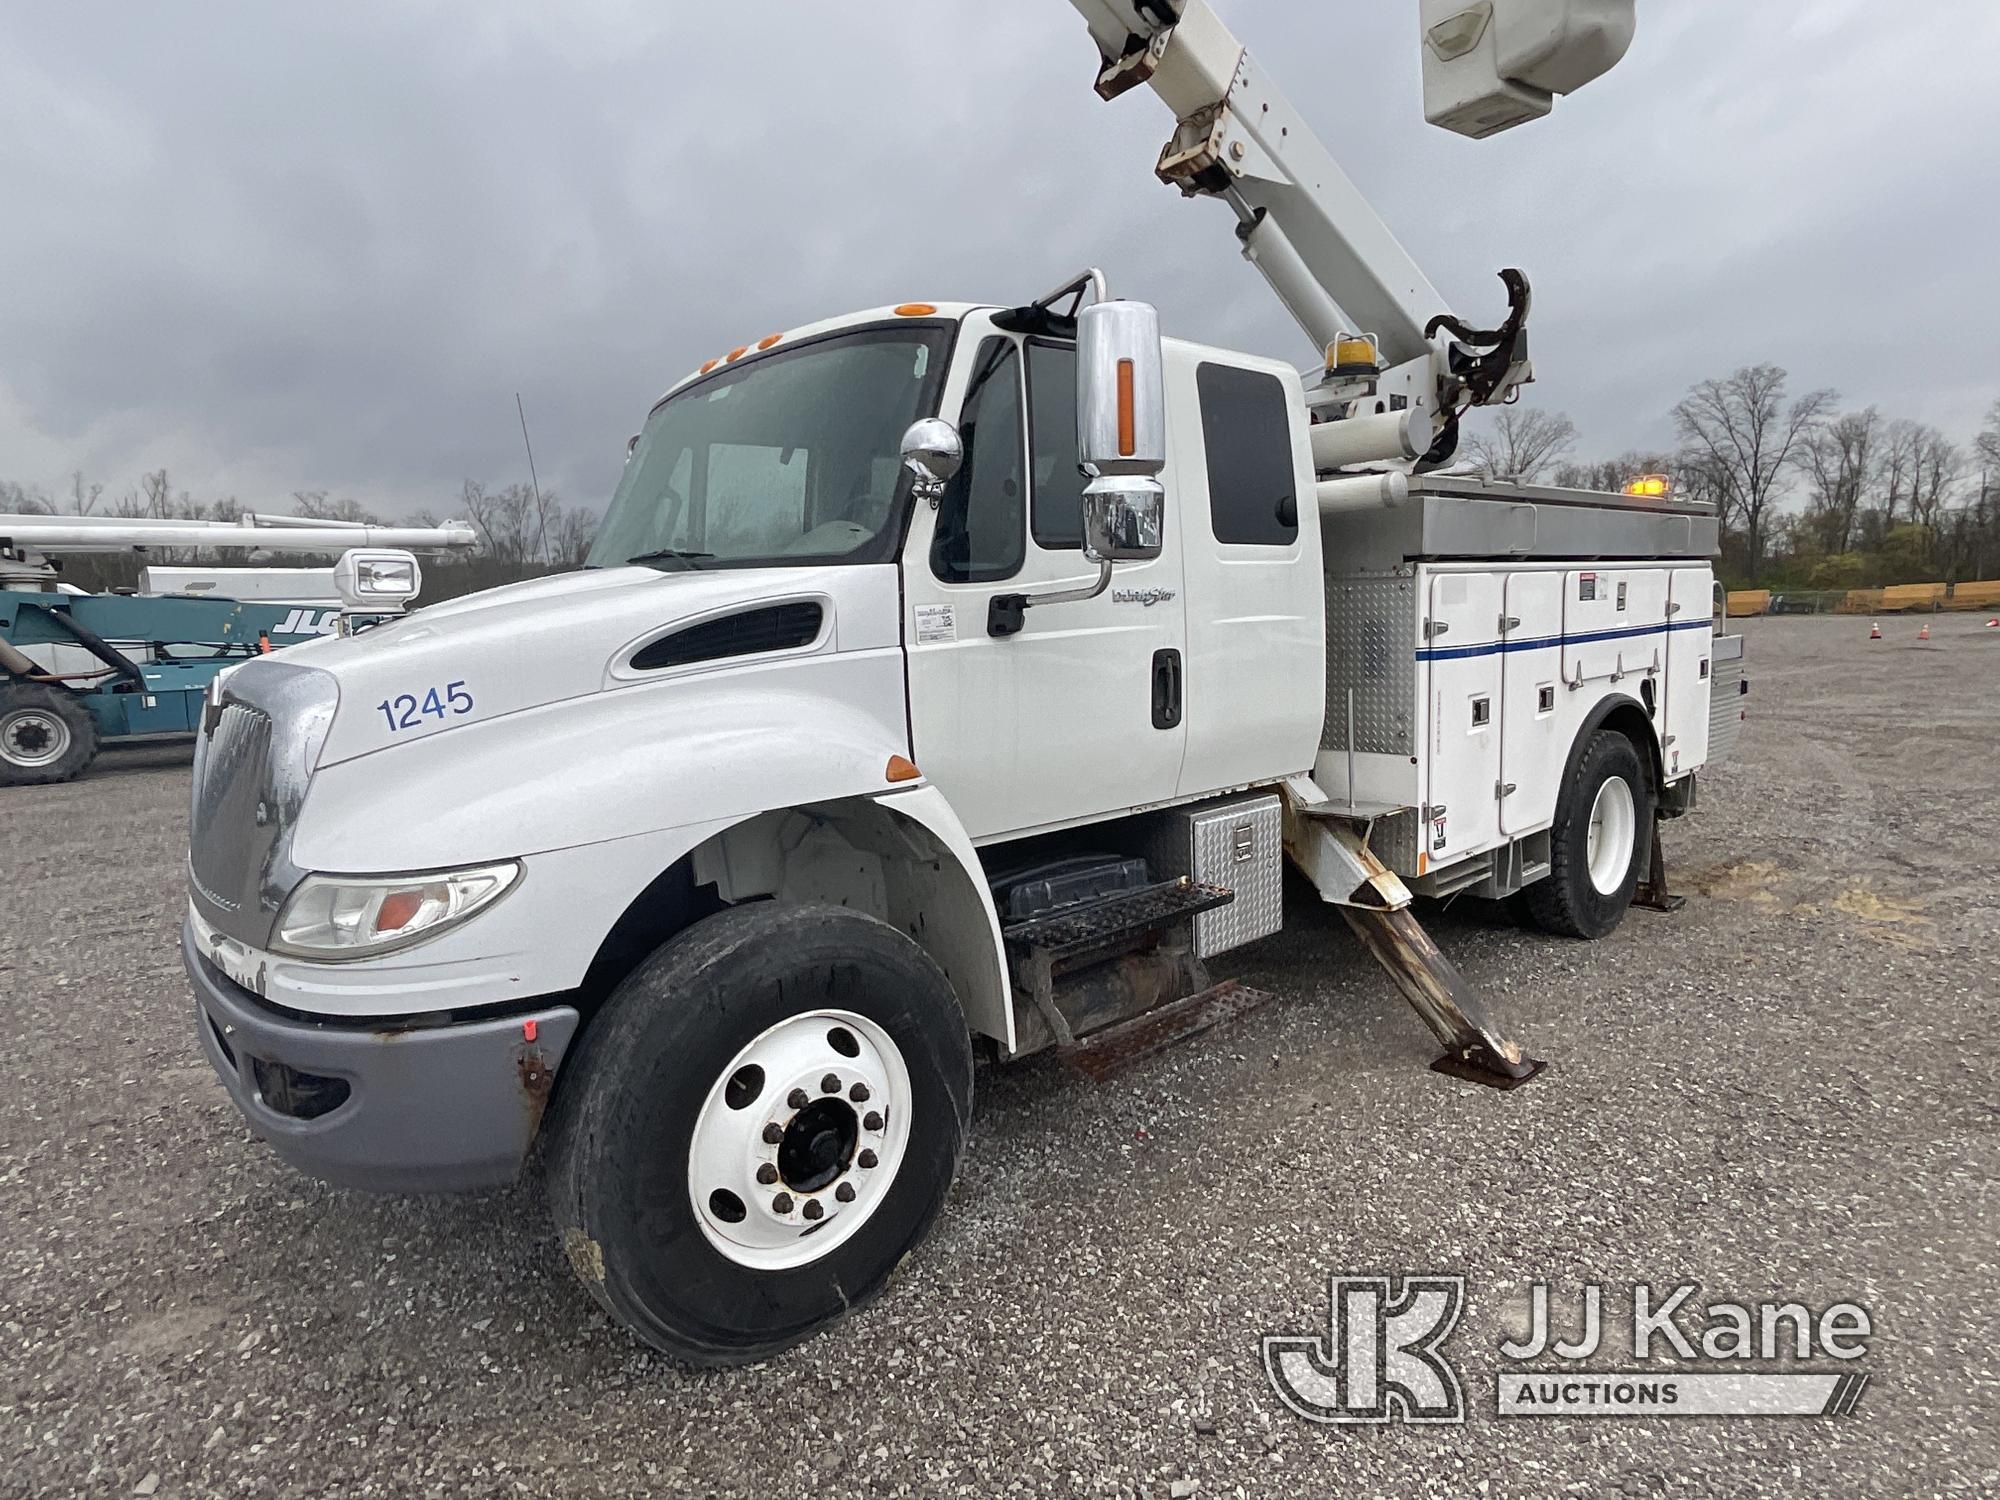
(286, 247)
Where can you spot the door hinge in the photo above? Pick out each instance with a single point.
(1509, 622)
(1434, 628)
(1503, 789)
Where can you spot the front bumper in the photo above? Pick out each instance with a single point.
(424, 1108)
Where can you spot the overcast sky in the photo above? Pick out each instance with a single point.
(278, 246)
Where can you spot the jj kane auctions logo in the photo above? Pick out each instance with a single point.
(1382, 1357)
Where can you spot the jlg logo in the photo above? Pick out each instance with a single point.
(309, 622)
(1379, 1361)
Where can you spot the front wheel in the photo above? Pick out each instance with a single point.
(1600, 843)
(758, 1127)
(46, 735)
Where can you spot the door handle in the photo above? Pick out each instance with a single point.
(1166, 689)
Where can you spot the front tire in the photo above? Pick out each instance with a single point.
(1600, 843)
(46, 735)
(757, 1128)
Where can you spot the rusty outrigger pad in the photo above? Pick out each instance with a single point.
(1103, 1053)
(1474, 1048)
(1652, 892)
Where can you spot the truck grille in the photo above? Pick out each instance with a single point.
(252, 766)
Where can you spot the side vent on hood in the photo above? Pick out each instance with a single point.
(750, 632)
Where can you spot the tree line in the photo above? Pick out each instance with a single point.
(1810, 495)
(523, 532)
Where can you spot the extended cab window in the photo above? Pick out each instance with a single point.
(982, 526)
(1057, 512)
(1245, 423)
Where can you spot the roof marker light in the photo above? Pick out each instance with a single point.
(915, 310)
(737, 353)
(768, 340)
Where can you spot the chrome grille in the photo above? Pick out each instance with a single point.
(252, 768)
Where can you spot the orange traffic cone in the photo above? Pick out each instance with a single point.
(1875, 630)
(1925, 633)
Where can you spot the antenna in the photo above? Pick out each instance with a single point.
(541, 511)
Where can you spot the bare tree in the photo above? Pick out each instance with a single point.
(1838, 459)
(570, 534)
(1743, 427)
(1521, 444)
(318, 505)
(1937, 465)
(1988, 442)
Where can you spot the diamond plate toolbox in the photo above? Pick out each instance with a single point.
(1239, 845)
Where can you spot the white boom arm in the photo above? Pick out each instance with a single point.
(261, 533)
(1323, 248)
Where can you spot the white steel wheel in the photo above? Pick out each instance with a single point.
(31, 738)
(799, 1140)
(1613, 833)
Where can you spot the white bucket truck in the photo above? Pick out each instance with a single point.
(949, 677)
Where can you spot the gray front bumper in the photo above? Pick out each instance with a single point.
(428, 1108)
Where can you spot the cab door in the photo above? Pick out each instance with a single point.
(1080, 714)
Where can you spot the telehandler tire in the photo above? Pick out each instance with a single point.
(758, 1126)
(46, 735)
(1600, 843)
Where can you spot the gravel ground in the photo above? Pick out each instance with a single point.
(1786, 1091)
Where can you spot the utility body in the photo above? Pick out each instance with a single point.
(945, 677)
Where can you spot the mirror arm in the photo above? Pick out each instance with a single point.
(1005, 614)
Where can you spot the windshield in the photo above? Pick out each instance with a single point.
(793, 458)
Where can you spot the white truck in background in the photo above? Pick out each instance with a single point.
(951, 676)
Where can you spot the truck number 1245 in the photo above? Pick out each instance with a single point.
(407, 711)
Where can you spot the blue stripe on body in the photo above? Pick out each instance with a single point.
(1546, 642)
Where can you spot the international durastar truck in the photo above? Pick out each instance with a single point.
(951, 678)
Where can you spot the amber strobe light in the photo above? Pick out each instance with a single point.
(1128, 441)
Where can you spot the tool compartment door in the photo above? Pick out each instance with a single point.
(1614, 623)
(1463, 735)
(1532, 750)
(1690, 672)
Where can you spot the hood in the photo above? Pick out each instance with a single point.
(531, 644)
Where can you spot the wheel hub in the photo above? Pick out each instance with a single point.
(799, 1140)
(1611, 836)
(33, 737)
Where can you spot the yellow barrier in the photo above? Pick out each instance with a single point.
(1985, 595)
(1747, 602)
(1860, 602)
(1902, 597)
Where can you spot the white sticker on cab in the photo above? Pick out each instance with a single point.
(936, 624)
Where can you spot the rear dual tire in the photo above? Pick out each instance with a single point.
(714, 1241)
(1600, 843)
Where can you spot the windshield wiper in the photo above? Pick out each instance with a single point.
(669, 554)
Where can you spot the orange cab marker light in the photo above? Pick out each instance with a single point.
(737, 353)
(901, 769)
(528, 1030)
(710, 366)
(1128, 441)
(915, 310)
(768, 340)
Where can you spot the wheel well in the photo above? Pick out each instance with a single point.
(853, 853)
(1627, 717)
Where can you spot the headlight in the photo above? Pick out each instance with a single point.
(357, 916)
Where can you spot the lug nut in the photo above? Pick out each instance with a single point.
(782, 1204)
(866, 1159)
(871, 1121)
(859, 1093)
(845, 1192)
(830, 1084)
(798, 1099)
(812, 1209)
(773, 1133)
(767, 1174)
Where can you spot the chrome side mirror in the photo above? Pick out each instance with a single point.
(1121, 423)
(1124, 520)
(932, 452)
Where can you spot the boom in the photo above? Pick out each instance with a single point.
(1358, 295)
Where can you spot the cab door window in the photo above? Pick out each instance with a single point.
(982, 521)
(1056, 515)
